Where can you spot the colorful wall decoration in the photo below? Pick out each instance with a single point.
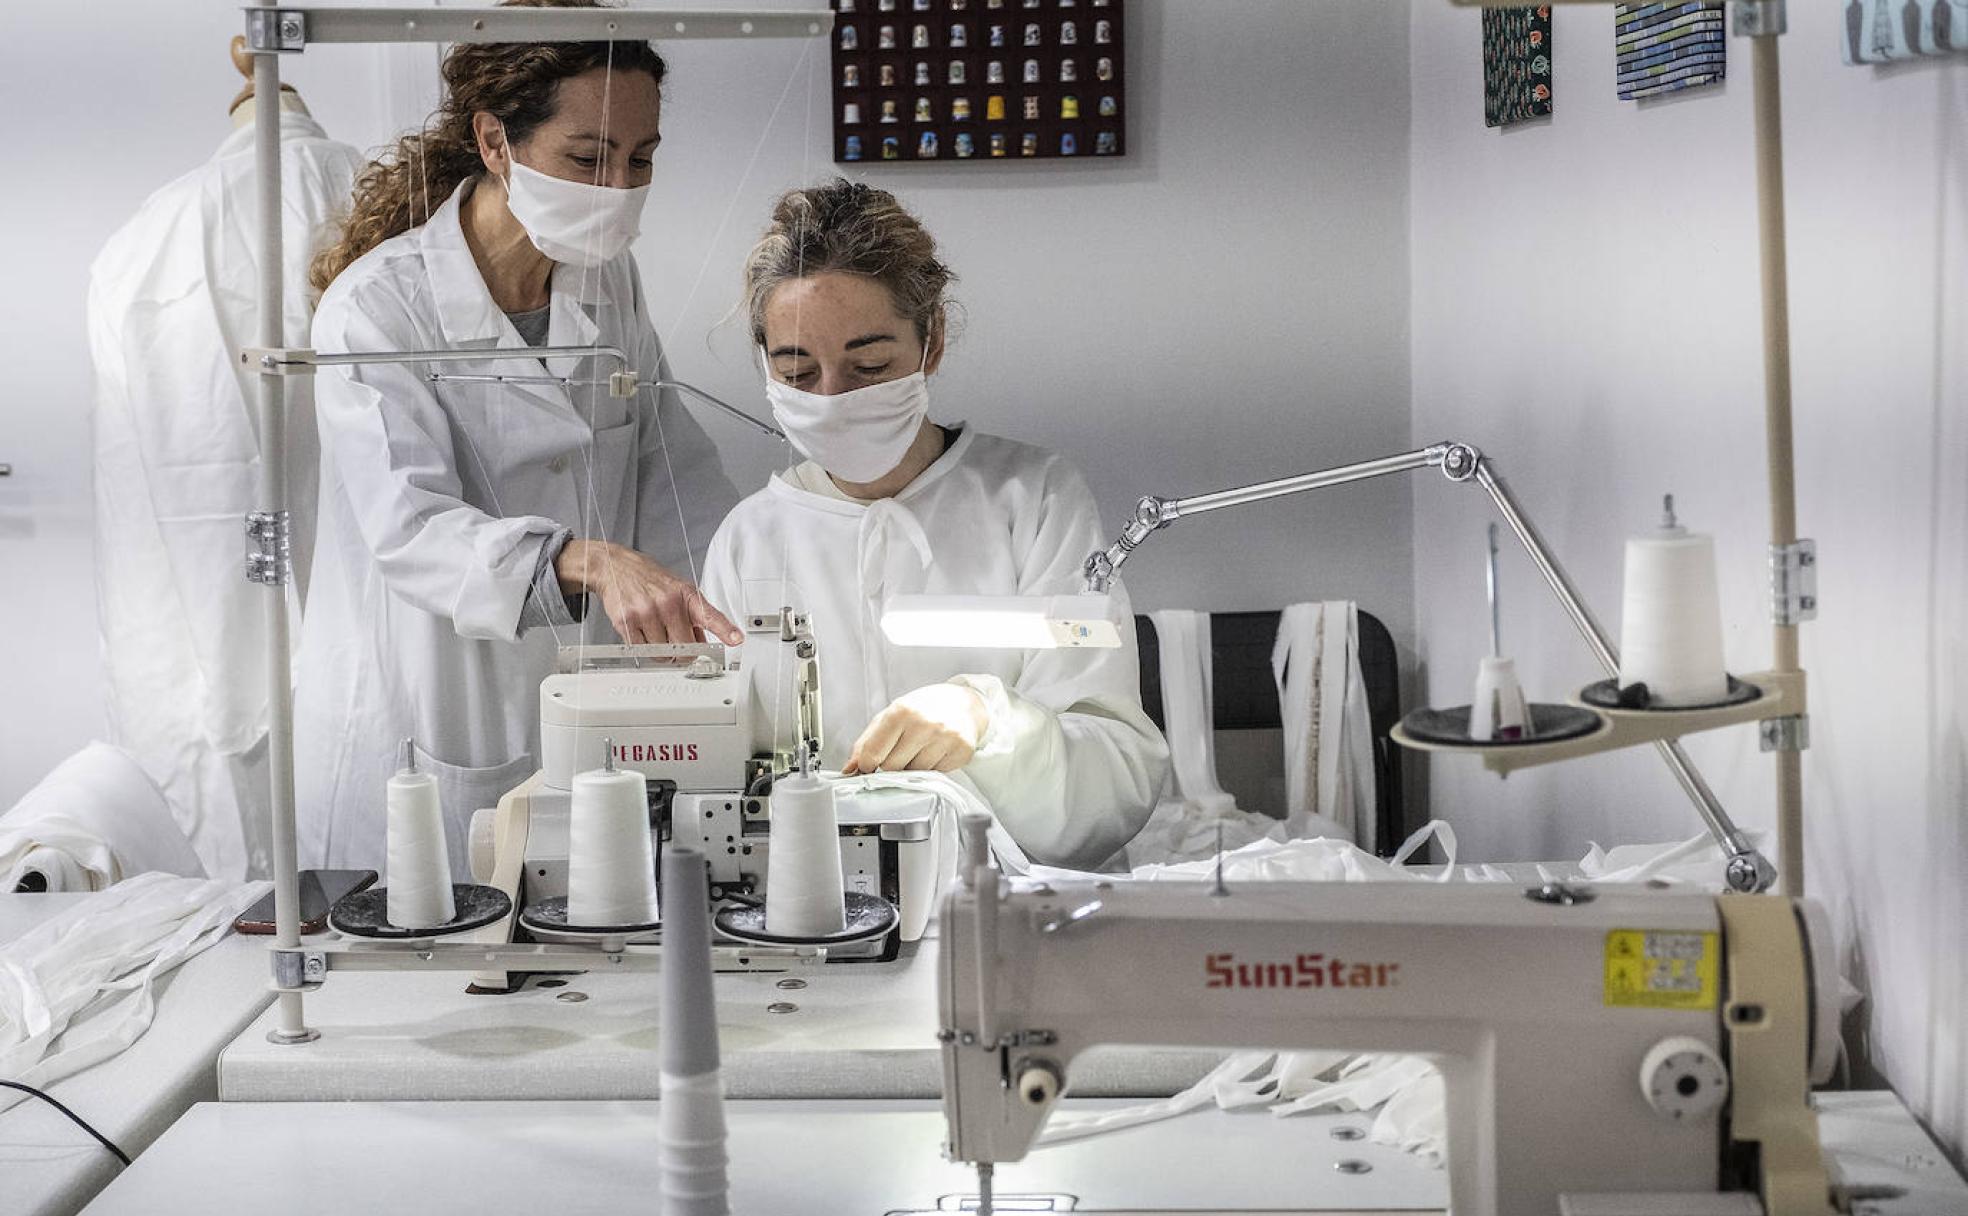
(978, 80)
(1516, 64)
(1879, 31)
(1664, 48)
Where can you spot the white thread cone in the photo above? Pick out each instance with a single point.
(1498, 710)
(419, 867)
(803, 882)
(1671, 619)
(611, 864)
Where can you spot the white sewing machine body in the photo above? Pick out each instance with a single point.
(693, 722)
(1586, 1045)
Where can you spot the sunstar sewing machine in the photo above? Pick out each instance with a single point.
(710, 739)
(1607, 1051)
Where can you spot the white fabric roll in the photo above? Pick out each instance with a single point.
(611, 864)
(419, 874)
(1671, 619)
(803, 880)
(95, 820)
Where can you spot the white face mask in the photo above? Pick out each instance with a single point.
(859, 435)
(574, 222)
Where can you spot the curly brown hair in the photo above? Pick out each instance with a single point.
(852, 228)
(517, 82)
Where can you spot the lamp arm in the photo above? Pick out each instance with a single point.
(1456, 460)
(1747, 869)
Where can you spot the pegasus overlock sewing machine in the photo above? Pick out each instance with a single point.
(710, 736)
(1612, 1049)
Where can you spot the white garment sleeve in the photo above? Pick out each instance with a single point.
(682, 491)
(390, 440)
(1070, 761)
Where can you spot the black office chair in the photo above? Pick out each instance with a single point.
(1245, 694)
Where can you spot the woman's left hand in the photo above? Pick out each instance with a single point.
(938, 726)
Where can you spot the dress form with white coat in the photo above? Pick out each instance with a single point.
(172, 297)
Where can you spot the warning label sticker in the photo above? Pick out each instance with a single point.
(1648, 969)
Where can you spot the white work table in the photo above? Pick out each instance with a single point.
(845, 1159)
(834, 1030)
(50, 1166)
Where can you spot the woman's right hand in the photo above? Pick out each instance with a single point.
(645, 602)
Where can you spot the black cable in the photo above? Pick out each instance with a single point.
(75, 1118)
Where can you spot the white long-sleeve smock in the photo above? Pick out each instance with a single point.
(1069, 761)
(438, 504)
(172, 297)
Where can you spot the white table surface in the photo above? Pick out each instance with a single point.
(858, 1030)
(817, 1158)
(50, 1167)
(840, 1159)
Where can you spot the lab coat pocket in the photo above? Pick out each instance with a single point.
(462, 791)
(607, 469)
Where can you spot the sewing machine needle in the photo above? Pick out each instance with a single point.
(984, 1205)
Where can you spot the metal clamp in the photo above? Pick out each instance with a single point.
(1794, 582)
(270, 548)
(298, 969)
(1759, 18)
(273, 30)
(1792, 734)
(278, 360)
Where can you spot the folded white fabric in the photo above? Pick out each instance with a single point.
(96, 819)
(103, 957)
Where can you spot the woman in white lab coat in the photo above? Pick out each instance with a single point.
(469, 529)
(845, 298)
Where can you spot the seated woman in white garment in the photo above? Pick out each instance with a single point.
(846, 301)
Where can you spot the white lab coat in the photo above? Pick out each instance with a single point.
(172, 297)
(436, 503)
(1069, 762)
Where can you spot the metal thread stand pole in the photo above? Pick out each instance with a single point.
(293, 1026)
(1777, 415)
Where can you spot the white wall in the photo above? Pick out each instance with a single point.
(1586, 308)
(1226, 303)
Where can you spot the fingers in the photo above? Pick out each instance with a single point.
(710, 621)
(674, 621)
(872, 748)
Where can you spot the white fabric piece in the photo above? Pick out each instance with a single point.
(956, 796)
(95, 820)
(1199, 817)
(172, 296)
(860, 435)
(104, 956)
(1069, 761)
(1696, 861)
(437, 501)
(1189, 707)
(1322, 700)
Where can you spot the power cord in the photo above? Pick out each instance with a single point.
(73, 1117)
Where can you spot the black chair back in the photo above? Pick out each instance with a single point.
(1245, 694)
